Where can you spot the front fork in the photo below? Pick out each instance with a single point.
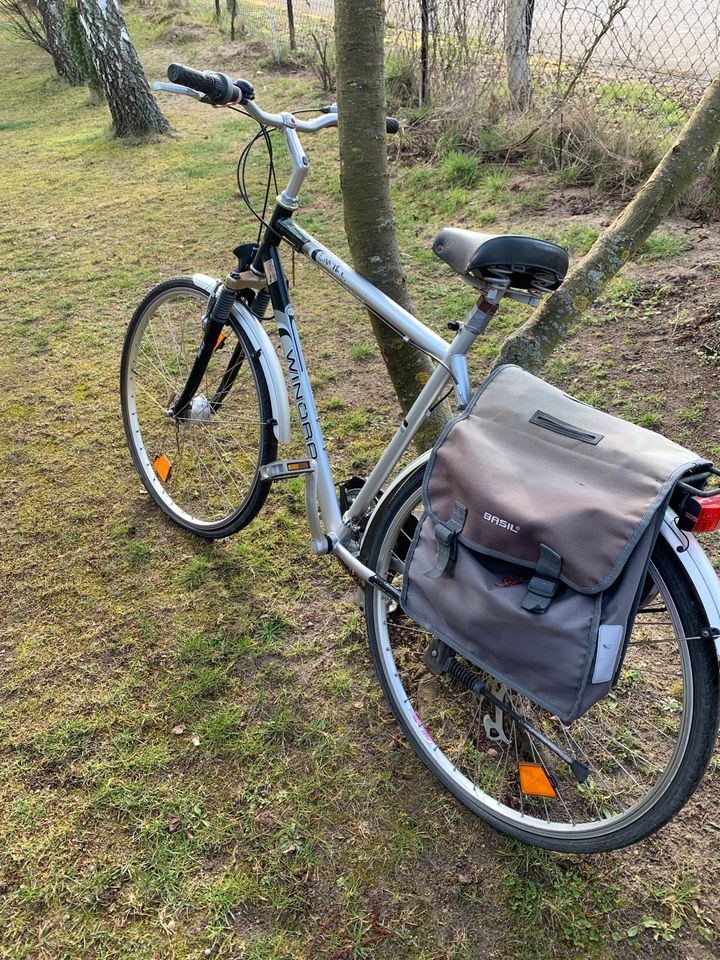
(216, 319)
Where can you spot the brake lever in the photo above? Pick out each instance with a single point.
(179, 88)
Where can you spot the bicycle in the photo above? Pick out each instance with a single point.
(205, 406)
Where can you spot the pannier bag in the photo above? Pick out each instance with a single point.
(541, 514)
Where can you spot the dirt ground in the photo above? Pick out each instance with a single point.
(300, 825)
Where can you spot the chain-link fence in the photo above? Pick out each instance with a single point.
(642, 62)
(288, 24)
(673, 43)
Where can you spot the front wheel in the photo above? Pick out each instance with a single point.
(203, 468)
(647, 744)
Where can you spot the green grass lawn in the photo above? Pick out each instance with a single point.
(196, 759)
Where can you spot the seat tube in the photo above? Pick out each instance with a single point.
(301, 389)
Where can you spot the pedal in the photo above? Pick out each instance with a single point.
(282, 469)
(348, 491)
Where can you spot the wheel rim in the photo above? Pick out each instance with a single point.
(213, 456)
(633, 741)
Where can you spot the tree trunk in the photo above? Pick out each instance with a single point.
(133, 108)
(424, 51)
(53, 18)
(365, 181)
(232, 10)
(80, 47)
(291, 23)
(690, 155)
(518, 23)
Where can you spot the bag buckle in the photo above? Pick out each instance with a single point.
(446, 536)
(544, 583)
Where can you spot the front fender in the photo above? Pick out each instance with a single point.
(269, 362)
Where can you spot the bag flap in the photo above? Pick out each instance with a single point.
(535, 468)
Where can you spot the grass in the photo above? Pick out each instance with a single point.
(662, 246)
(196, 757)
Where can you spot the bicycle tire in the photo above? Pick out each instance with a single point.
(213, 485)
(442, 722)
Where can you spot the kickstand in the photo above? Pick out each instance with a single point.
(439, 659)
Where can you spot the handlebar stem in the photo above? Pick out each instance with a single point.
(289, 198)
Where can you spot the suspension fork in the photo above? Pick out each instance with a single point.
(217, 318)
(262, 299)
(215, 321)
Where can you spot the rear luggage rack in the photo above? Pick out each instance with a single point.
(698, 509)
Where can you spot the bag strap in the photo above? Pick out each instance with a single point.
(446, 532)
(544, 583)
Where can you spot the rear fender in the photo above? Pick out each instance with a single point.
(698, 567)
(242, 317)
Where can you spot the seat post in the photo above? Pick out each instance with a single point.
(485, 309)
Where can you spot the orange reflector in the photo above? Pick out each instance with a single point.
(297, 465)
(534, 781)
(162, 467)
(220, 341)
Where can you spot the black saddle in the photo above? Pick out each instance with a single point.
(529, 264)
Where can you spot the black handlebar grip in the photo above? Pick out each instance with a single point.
(211, 86)
(392, 125)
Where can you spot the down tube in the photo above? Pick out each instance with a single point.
(302, 390)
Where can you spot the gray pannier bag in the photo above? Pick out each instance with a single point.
(540, 517)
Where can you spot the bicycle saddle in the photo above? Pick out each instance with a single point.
(528, 263)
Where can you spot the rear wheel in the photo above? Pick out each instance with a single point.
(202, 469)
(646, 745)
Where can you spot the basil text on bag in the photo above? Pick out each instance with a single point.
(541, 514)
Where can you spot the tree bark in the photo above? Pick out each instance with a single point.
(689, 156)
(291, 23)
(232, 10)
(53, 18)
(133, 108)
(518, 23)
(365, 181)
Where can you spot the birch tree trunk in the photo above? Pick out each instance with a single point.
(689, 156)
(52, 13)
(518, 21)
(133, 108)
(365, 181)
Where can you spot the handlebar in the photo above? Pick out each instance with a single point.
(219, 89)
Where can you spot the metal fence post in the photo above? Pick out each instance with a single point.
(291, 23)
(424, 50)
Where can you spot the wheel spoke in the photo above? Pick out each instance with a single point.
(631, 741)
(213, 462)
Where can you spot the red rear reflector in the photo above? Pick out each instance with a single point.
(709, 518)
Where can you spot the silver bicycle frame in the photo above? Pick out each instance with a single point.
(331, 532)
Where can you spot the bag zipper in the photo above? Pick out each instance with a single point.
(548, 422)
